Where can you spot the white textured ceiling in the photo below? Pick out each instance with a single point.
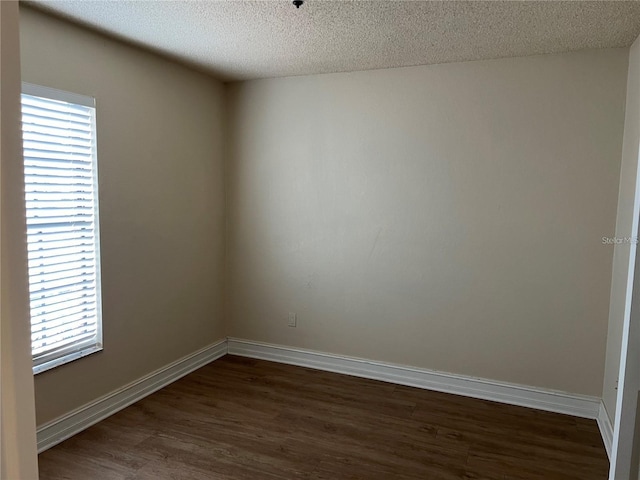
(237, 40)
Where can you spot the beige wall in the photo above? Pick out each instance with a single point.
(626, 227)
(448, 217)
(17, 433)
(161, 205)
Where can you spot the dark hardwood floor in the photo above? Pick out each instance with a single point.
(238, 419)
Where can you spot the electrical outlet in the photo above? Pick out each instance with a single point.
(292, 320)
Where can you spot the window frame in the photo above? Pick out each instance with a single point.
(61, 356)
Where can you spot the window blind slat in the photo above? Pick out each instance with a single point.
(62, 339)
(58, 163)
(86, 294)
(56, 266)
(68, 299)
(30, 155)
(47, 348)
(43, 211)
(48, 294)
(54, 248)
(52, 256)
(42, 318)
(54, 170)
(54, 109)
(62, 307)
(64, 335)
(39, 205)
(43, 264)
(46, 224)
(34, 120)
(69, 171)
(43, 230)
(48, 240)
(58, 196)
(35, 280)
(33, 148)
(62, 134)
(72, 310)
(47, 353)
(64, 326)
(40, 179)
(54, 325)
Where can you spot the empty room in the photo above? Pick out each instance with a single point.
(320, 240)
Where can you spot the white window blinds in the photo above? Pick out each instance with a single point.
(59, 140)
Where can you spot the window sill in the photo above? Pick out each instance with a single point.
(70, 357)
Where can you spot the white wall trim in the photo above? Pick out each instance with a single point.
(606, 428)
(60, 429)
(64, 427)
(533, 397)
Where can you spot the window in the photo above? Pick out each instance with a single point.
(61, 193)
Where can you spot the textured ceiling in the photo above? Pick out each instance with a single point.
(238, 40)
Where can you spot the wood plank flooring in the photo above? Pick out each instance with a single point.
(240, 419)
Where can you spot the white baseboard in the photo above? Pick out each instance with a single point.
(60, 429)
(525, 396)
(606, 429)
